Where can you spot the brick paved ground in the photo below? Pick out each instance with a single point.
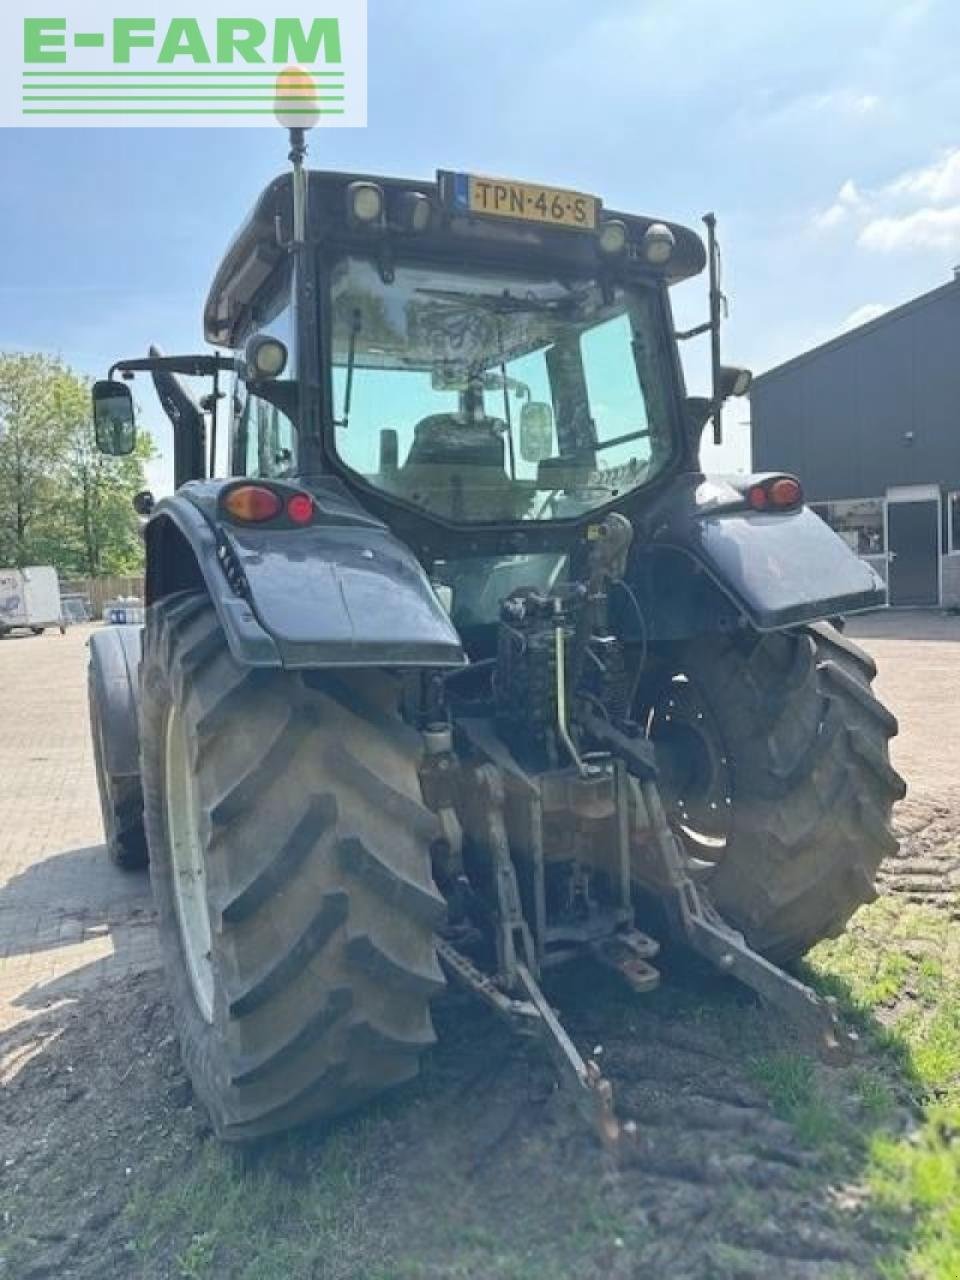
(68, 918)
(918, 676)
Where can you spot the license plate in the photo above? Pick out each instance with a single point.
(525, 201)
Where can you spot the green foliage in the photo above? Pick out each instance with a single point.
(62, 502)
(903, 963)
(35, 415)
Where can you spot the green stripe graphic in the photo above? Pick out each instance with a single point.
(272, 74)
(178, 97)
(212, 89)
(201, 90)
(171, 111)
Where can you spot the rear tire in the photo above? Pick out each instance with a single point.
(315, 850)
(803, 749)
(38, 631)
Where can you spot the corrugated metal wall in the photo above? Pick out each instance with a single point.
(839, 416)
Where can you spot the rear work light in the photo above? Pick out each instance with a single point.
(253, 503)
(780, 493)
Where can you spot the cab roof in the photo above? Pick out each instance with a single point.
(262, 244)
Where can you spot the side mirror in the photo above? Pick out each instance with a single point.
(734, 381)
(113, 418)
(143, 502)
(536, 431)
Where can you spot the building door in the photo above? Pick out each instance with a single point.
(913, 545)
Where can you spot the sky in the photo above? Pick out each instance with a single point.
(825, 136)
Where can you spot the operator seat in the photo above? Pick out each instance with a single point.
(456, 467)
(448, 439)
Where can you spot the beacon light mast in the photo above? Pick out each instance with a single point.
(297, 86)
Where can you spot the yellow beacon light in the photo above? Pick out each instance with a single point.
(297, 101)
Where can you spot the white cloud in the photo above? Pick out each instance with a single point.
(919, 210)
(938, 182)
(862, 104)
(928, 228)
(862, 315)
(848, 201)
(844, 108)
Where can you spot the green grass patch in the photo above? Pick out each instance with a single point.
(791, 1082)
(897, 974)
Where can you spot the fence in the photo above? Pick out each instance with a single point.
(97, 590)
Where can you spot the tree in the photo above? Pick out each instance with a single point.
(103, 534)
(61, 501)
(35, 416)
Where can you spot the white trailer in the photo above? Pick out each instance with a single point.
(30, 599)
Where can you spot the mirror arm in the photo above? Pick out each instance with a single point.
(213, 422)
(713, 258)
(192, 366)
(682, 335)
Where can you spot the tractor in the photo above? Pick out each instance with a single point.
(456, 666)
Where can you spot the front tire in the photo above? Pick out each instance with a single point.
(121, 799)
(312, 890)
(793, 814)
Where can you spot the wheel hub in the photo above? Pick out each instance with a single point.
(696, 778)
(187, 866)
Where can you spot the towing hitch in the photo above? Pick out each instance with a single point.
(645, 851)
(516, 996)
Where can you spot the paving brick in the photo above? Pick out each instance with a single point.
(69, 919)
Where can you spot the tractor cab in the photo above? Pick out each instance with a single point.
(466, 356)
(489, 367)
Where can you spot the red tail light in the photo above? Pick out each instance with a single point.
(253, 503)
(757, 497)
(777, 494)
(300, 508)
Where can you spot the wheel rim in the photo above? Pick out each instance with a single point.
(188, 872)
(696, 777)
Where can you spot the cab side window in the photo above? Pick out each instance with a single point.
(265, 435)
(270, 440)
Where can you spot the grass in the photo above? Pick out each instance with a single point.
(791, 1082)
(897, 1123)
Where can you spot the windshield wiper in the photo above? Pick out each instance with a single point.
(356, 324)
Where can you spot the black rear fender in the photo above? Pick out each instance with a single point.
(703, 561)
(340, 592)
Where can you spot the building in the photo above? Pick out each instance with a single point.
(870, 423)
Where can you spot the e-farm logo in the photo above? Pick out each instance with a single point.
(86, 63)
